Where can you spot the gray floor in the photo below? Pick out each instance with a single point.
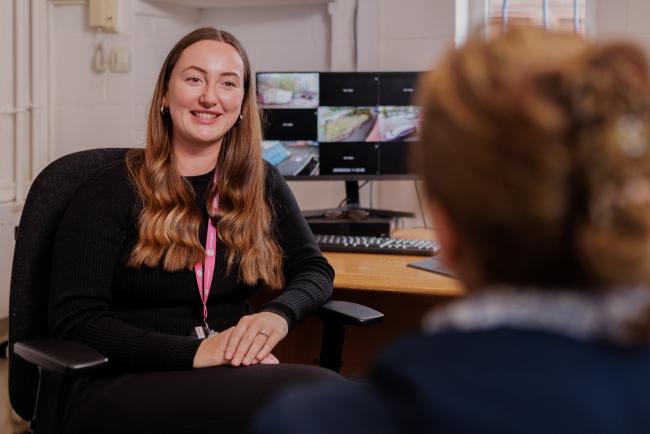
(9, 423)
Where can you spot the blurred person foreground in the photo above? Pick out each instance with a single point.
(534, 153)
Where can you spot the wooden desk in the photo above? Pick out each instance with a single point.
(388, 273)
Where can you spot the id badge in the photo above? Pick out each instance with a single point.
(203, 332)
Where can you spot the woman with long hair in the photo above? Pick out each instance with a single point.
(535, 154)
(156, 258)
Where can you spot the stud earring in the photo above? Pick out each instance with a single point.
(162, 109)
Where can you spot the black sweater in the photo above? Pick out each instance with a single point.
(141, 318)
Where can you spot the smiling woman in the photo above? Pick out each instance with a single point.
(156, 258)
(204, 99)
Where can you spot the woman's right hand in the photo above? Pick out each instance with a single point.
(212, 350)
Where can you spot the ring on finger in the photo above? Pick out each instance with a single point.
(263, 332)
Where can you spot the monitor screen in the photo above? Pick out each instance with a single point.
(340, 125)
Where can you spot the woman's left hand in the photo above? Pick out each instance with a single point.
(254, 337)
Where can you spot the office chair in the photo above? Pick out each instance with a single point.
(42, 369)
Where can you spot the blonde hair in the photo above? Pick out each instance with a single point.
(535, 143)
(169, 220)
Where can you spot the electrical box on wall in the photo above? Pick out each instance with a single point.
(102, 14)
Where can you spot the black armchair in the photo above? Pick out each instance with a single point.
(42, 369)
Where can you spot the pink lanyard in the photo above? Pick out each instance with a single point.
(204, 278)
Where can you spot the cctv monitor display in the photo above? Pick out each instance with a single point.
(349, 88)
(397, 88)
(343, 125)
(287, 90)
(347, 124)
(292, 158)
(398, 123)
(290, 124)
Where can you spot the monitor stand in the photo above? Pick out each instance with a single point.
(352, 219)
(352, 203)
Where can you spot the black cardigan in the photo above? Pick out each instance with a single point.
(142, 318)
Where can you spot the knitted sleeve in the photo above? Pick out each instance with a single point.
(308, 276)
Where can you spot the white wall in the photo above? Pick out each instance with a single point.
(7, 185)
(93, 110)
(280, 38)
(413, 34)
(9, 213)
(623, 19)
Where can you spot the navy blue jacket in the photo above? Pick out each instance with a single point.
(501, 381)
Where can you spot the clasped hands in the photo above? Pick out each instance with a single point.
(248, 343)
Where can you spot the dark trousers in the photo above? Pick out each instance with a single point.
(211, 400)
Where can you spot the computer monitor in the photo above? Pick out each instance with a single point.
(339, 125)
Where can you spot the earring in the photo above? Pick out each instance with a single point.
(162, 109)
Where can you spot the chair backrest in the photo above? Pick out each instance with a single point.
(46, 201)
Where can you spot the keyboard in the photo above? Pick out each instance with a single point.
(361, 244)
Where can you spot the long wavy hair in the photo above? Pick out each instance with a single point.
(169, 220)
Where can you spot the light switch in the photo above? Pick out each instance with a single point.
(120, 60)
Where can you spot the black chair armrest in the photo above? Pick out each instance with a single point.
(61, 356)
(346, 313)
(335, 316)
(59, 363)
